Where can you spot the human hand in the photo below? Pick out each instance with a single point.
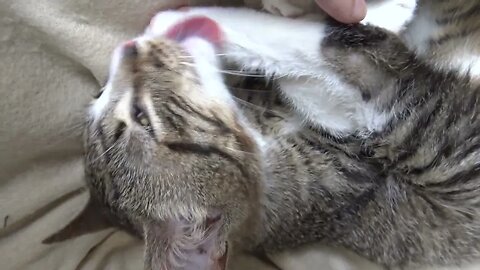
(346, 11)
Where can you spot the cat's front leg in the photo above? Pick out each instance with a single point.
(258, 41)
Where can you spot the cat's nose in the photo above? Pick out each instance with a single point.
(130, 49)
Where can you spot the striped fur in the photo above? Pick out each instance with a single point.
(447, 33)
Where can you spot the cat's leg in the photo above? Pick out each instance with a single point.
(256, 40)
(277, 45)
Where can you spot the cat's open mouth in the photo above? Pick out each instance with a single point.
(198, 26)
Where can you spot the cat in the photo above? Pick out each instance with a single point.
(370, 147)
(444, 33)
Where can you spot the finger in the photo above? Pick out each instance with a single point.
(346, 11)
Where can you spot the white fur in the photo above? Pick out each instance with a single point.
(462, 59)
(468, 63)
(122, 111)
(420, 30)
(154, 119)
(332, 109)
(390, 14)
(207, 68)
(99, 105)
(289, 50)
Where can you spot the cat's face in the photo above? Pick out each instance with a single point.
(167, 150)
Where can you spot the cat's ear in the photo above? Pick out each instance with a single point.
(186, 244)
(89, 220)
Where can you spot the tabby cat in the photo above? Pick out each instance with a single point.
(367, 146)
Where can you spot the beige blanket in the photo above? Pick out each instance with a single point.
(54, 56)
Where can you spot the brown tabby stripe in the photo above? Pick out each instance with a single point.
(473, 148)
(454, 36)
(415, 138)
(461, 177)
(182, 104)
(205, 149)
(174, 119)
(406, 100)
(456, 15)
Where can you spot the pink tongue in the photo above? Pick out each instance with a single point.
(200, 26)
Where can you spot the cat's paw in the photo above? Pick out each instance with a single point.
(282, 7)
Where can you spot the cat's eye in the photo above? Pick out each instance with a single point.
(144, 121)
(140, 116)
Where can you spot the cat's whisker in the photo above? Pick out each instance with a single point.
(191, 57)
(267, 77)
(231, 72)
(240, 73)
(246, 103)
(239, 151)
(257, 107)
(249, 90)
(104, 153)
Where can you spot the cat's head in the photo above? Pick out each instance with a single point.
(167, 149)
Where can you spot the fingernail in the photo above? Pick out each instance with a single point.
(359, 10)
